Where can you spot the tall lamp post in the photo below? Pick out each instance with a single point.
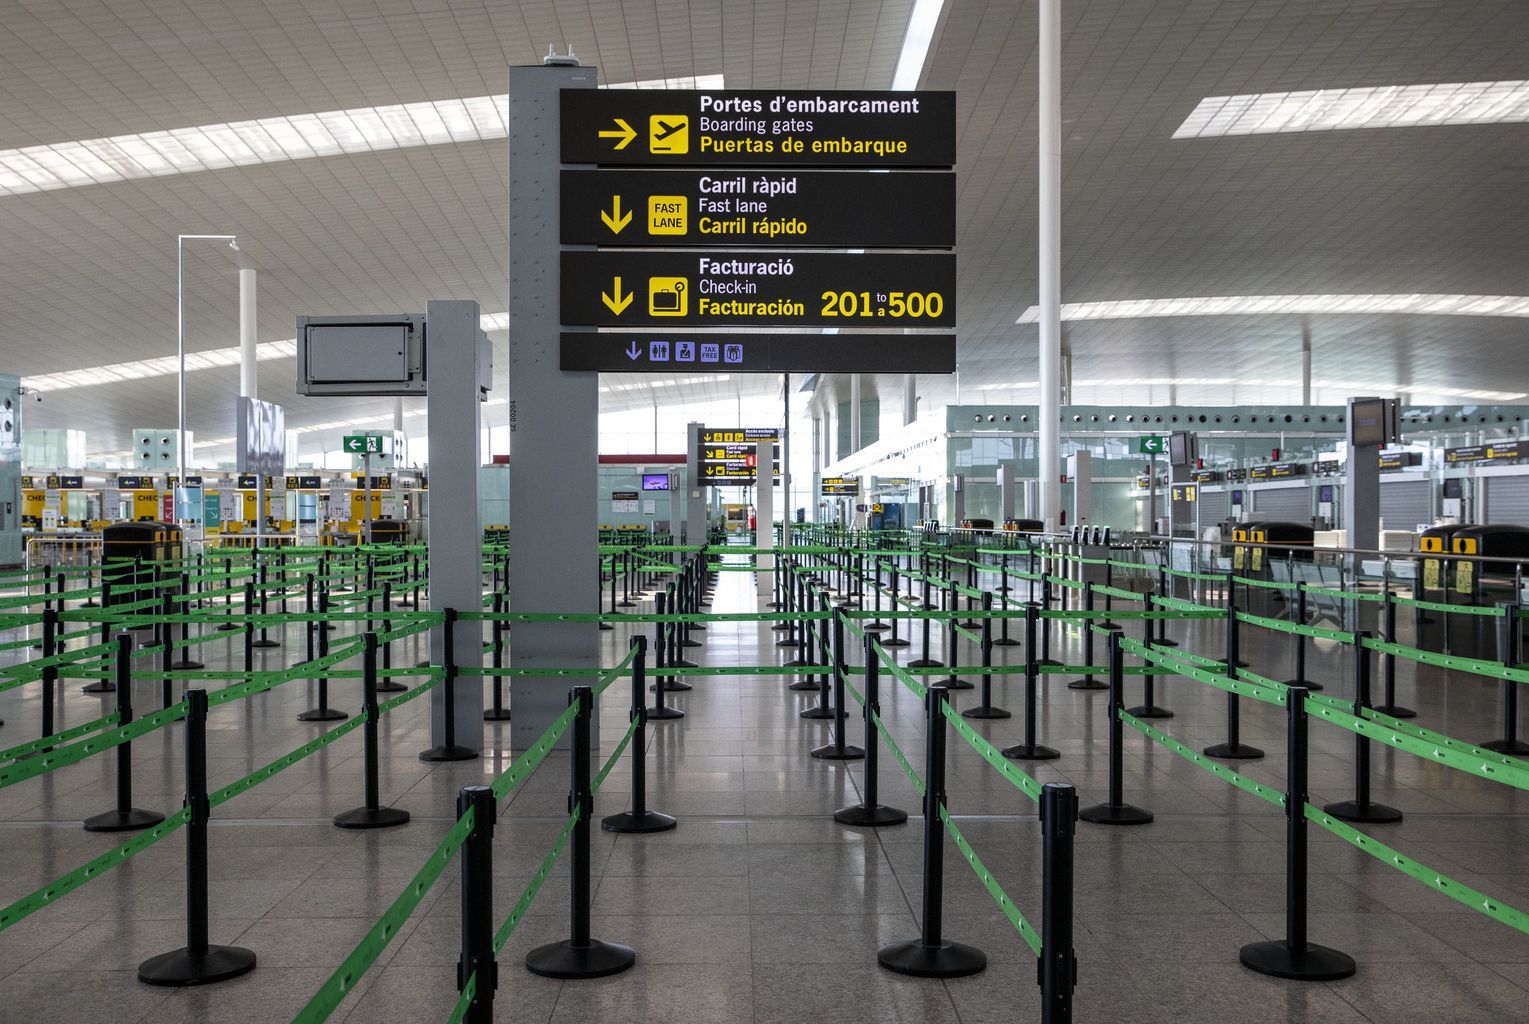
(180, 345)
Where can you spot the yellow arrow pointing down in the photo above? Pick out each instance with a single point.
(618, 303)
(616, 220)
(626, 133)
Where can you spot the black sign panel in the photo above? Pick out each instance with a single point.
(248, 482)
(66, 483)
(1205, 476)
(729, 456)
(133, 483)
(625, 496)
(654, 128)
(1494, 452)
(844, 487)
(651, 352)
(721, 289)
(744, 207)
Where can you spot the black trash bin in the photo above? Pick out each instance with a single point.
(129, 552)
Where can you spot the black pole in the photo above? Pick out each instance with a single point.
(952, 605)
(823, 708)
(1293, 956)
(639, 818)
(1148, 708)
(1087, 681)
(477, 854)
(1116, 811)
(876, 625)
(323, 712)
(986, 710)
(1164, 589)
(1058, 964)
(1233, 749)
(1299, 679)
(660, 660)
(1361, 808)
(197, 962)
(1511, 649)
(249, 633)
(580, 956)
(870, 811)
(449, 750)
(1389, 706)
(387, 684)
(498, 712)
(1031, 750)
(101, 685)
(839, 749)
(186, 662)
(49, 673)
(931, 955)
(925, 607)
(896, 609)
(265, 580)
(125, 817)
(371, 814)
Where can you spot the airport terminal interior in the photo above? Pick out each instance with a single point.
(757, 511)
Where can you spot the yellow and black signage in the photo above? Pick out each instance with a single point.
(841, 487)
(26, 483)
(1205, 476)
(1186, 493)
(1494, 452)
(745, 207)
(738, 352)
(133, 483)
(1236, 475)
(649, 128)
(722, 289)
(384, 482)
(729, 457)
(57, 482)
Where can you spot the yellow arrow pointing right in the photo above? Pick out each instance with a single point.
(626, 133)
(618, 302)
(616, 220)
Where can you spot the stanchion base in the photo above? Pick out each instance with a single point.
(986, 711)
(226, 627)
(388, 686)
(1160, 642)
(787, 644)
(1125, 814)
(265, 643)
(958, 684)
(1495, 746)
(1372, 813)
(1087, 683)
(444, 753)
(1029, 752)
(186, 665)
(829, 752)
(876, 627)
(803, 684)
(896, 641)
(818, 711)
(947, 960)
(496, 715)
(565, 960)
(665, 713)
(363, 817)
(795, 663)
(924, 663)
(626, 604)
(1397, 711)
(672, 686)
(870, 817)
(999, 641)
(606, 627)
(130, 820)
(322, 715)
(629, 823)
(1149, 711)
(1318, 686)
(683, 663)
(1233, 752)
(1312, 963)
(781, 627)
(180, 967)
(103, 686)
(690, 643)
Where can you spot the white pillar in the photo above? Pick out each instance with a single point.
(785, 463)
(764, 521)
(248, 375)
(854, 413)
(1050, 199)
(910, 398)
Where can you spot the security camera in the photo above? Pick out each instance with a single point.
(37, 396)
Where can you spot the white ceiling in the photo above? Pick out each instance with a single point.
(87, 275)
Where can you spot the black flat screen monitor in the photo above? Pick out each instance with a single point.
(655, 481)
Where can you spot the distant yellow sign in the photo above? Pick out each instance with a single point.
(669, 133)
(666, 296)
(668, 215)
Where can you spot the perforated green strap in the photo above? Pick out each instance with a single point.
(526, 763)
(898, 755)
(1454, 662)
(1495, 768)
(518, 912)
(1021, 781)
(73, 733)
(259, 775)
(1219, 680)
(343, 981)
(1344, 595)
(1005, 902)
(614, 759)
(1194, 757)
(60, 757)
(464, 1000)
(1343, 636)
(1451, 609)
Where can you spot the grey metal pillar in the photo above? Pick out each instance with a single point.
(764, 523)
(1049, 110)
(785, 462)
(1006, 492)
(248, 353)
(676, 481)
(553, 421)
(1361, 493)
(695, 495)
(855, 426)
(1305, 361)
(910, 398)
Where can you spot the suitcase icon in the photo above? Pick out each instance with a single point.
(666, 296)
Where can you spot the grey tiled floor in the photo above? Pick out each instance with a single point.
(759, 907)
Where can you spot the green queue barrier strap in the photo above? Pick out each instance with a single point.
(1343, 636)
(1453, 662)
(1437, 881)
(285, 761)
(901, 758)
(263, 681)
(1266, 584)
(1451, 609)
(1186, 574)
(72, 733)
(544, 869)
(73, 753)
(1344, 595)
(343, 981)
(967, 634)
(26, 672)
(16, 645)
(1188, 606)
(1003, 899)
(535, 755)
(610, 762)
(1508, 771)
(1006, 768)
(1194, 757)
(702, 617)
(1188, 670)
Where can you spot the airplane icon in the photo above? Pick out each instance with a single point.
(669, 133)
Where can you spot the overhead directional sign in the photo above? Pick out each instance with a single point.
(730, 457)
(647, 127)
(746, 207)
(651, 352)
(363, 444)
(1151, 444)
(839, 486)
(725, 289)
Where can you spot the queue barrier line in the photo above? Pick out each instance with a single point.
(1446, 608)
(1453, 662)
(528, 895)
(1006, 904)
(1190, 671)
(1194, 757)
(28, 671)
(1021, 780)
(73, 753)
(1343, 636)
(1344, 595)
(63, 736)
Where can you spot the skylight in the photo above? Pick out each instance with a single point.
(1252, 305)
(1386, 106)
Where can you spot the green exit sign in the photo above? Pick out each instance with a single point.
(363, 444)
(1151, 444)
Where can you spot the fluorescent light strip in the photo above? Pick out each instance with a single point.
(921, 25)
(270, 140)
(1387, 106)
(166, 366)
(1255, 305)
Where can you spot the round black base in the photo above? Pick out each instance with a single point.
(986, 711)
(672, 686)
(690, 643)
(924, 663)
(1125, 814)
(1372, 813)
(664, 713)
(683, 663)
(265, 643)
(947, 960)
(1002, 642)
(565, 960)
(1028, 752)
(876, 627)
(1161, 642)
(388, 686)
(606, 627)
(871, 817)
(179, 967)
(787, 644)
(1149, 711)
(795, 663)
(1312, 963)
(496, 715)
(1397, 711)
(382, 817)
(226, 627)
(1495, 746)
(322, 715)
(1233, 752)
(626, 604)
(100, 686)
(1087, 683)
(1318, 686)
(186, 665)
(130, 820)
(648, 821)
(444, 753)
(896, 641)
(803, 684)
(829, 752)
(781, 627)
(818, 711)
(957, 684)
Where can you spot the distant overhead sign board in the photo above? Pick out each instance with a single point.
(839, 486)
(648, 351)
(730, 457)
(364, 444)
(1497, 451)
(651, 128)
(1151, 444)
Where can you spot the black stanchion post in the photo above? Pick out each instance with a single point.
(1148, 707)
(387, 684)
(839, 749)
(102, 685)
(925, 607)
(1116, 811)
(931, 955)
(1362, 808)
(639, 819)
(1058, 964)
(370, 814)
(1031, 750)
(660, 662)
(580, 956)
(498, 712)
(1512, 641)
(1388, 663)
(870, 811)
(450, 750)
(265, 580)
(186, 663)
(249, 630)
(951, 682)
(876, 625)
(1233, 749)
(125, 817)
(896, 611)
(1299, 679)
(323, 712)
(1164, 589)
(50, 672)
(197, 962)
(1087, 681)
(1295, 957)
(674, 634)
(986, 709)
(822, 709)
(477, 959)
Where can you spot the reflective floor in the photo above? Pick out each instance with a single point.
(758, 907)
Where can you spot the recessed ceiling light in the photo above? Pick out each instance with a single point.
(1264, 305)
(1385, 106)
